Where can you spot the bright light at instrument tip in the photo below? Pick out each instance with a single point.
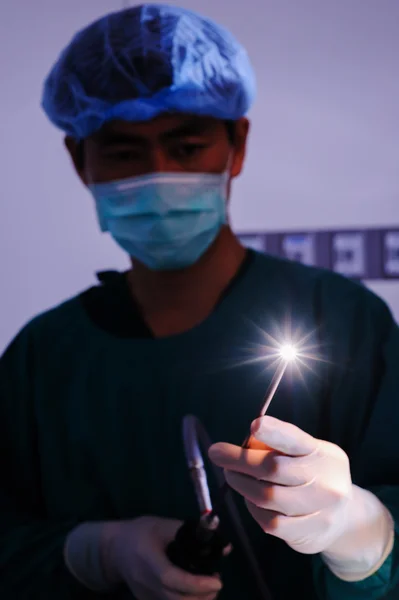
(288, 352)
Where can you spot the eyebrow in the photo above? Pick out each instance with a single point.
(111, 138)
(187, 129)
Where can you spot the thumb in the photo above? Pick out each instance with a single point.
(283, 437)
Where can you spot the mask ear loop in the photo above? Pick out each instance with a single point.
(225, 184)
(229, 163)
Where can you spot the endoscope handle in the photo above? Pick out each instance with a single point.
(196, 550)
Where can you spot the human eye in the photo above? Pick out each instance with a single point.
(186, 150)
(122, 154)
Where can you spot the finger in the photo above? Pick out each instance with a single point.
(269, 520)
(283, 437)
(241, 460)
(173, 578)
(300, 533)
(255, 444)
(140, 592)
(268, 466)
(177, 596)
(177, 580)
(227, 550)
(290, 501)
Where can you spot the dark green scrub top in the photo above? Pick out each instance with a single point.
(91, 407)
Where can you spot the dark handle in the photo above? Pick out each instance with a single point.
(191, 552)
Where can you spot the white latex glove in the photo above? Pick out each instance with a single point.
(299, 489)
(133, 552)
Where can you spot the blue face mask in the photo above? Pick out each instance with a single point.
(165, 220)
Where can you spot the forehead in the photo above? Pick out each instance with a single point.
(163, 127)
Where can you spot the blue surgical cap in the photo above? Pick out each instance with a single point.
(138, 63)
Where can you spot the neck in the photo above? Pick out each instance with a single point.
(175, 301)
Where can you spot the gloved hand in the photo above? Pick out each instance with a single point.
(133, 552)
(299, 489)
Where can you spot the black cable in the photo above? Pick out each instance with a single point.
(195, 436)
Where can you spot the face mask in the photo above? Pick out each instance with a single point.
(165, 220)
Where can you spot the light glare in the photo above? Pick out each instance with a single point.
(288, 352)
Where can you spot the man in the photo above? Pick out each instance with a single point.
(94, 483)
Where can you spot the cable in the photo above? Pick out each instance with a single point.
(194, 436)
(199, 546)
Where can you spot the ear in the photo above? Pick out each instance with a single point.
(240, 146)
(76, 151)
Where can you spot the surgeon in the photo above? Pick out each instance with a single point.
(94, 486)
